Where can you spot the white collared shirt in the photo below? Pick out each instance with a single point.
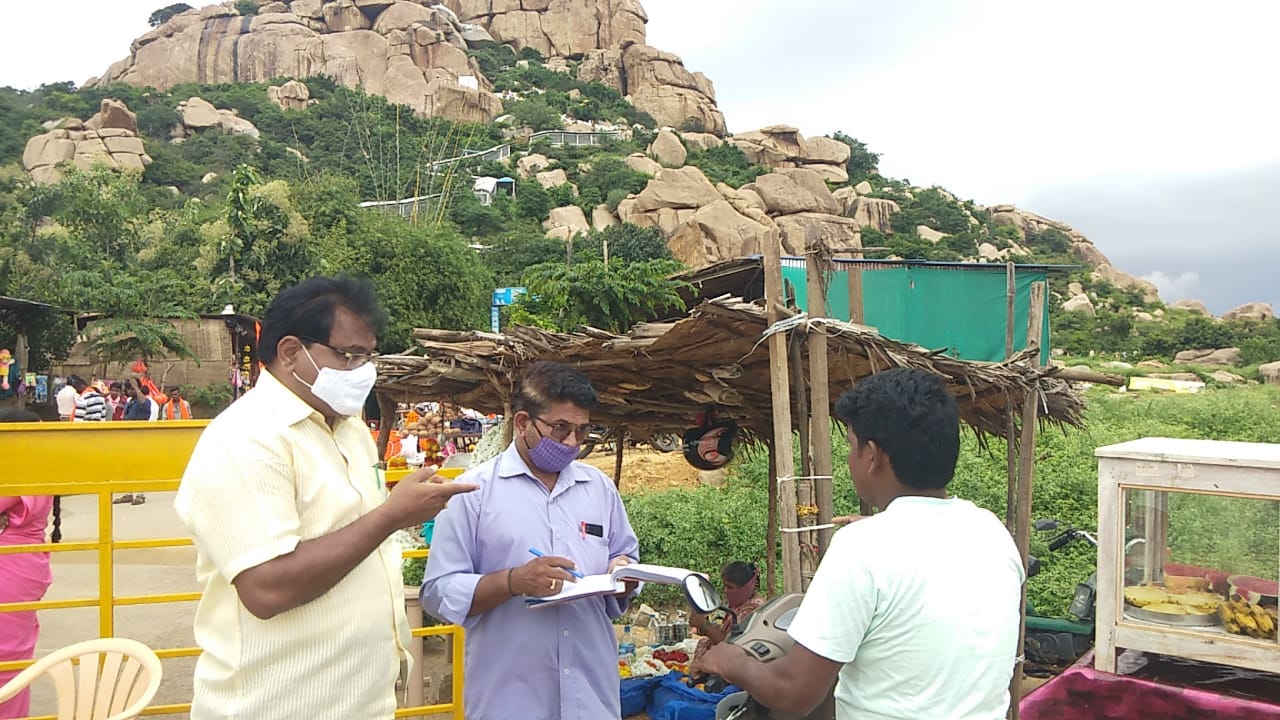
(267, 474)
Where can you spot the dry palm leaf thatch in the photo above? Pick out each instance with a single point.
(660, 376)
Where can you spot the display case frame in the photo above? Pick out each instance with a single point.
(1164, 465)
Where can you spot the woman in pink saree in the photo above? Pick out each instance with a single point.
(24, 577)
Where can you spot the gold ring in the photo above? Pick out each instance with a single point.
(553, 584)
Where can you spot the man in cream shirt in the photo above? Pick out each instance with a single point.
(302, 616)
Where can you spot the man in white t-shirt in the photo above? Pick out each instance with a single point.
(914, 609)
(66, 399)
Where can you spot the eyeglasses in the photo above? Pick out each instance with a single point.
(354, 360)
(560, 430)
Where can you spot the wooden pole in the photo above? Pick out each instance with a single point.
(1011, 452)
(619, 438)
(1026, 474)
(508, 424)
(857, 315)
(387, 409)
(820, 382)
(1022, 537)
(784, 466)
(771, 529)
(803, 488)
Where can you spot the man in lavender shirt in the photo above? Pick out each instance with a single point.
(548, 663)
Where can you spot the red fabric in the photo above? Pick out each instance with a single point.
(1082, 693)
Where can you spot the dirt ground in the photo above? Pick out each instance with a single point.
(647, 470)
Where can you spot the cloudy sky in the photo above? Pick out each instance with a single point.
(1149, 125)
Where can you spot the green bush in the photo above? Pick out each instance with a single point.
(726, 164)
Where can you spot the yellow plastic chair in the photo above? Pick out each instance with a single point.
(118, 677)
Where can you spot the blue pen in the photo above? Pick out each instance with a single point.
(574, 573)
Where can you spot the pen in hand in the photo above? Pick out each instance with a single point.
(571, 571)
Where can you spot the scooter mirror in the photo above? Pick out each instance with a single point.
(1043, 525)
(701, 594)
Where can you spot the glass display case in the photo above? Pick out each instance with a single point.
(1189, 551)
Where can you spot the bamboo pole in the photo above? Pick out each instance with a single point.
(857, 316)
(1022, 537)
(619, 437)
(804, 488)
(1011, 452)
(819, 381)
(771, 528)
(781, 402)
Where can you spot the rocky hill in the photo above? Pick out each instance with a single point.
(287, 86)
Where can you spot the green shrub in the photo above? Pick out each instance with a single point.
(726, 164)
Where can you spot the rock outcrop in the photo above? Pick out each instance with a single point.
(1270, 373)
(873, 212)
(557, 28)
(782, 146)
(410, 53)
(292, 95)
(1221, 356)
(1081, 304)
(707, 223)
(109, 138)
(1250, 311)
(197, 115)
(1195, 306)
(668, 150)
(566, 222)
(1119, 278)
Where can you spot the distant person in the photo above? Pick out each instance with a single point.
(882, 613)
(177, 408)
(66, 399)
(741, 582)
(24, 576)
(303, 613)
(91, 405)
(117, 400)
(139, 405)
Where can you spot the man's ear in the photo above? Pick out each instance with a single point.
(876, 459)
(288, 350)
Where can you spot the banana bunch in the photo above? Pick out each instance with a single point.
(1242, 617)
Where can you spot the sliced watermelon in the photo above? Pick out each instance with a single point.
(1254, 589)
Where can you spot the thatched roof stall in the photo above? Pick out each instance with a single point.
(659, 376)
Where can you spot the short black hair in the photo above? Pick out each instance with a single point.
(739, 573)
(910, 414)
(307, 310)
(115, 385)
(144, 389)
(77, 382)
(546, 382)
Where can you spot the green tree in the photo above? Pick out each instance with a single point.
(726, 164)
(627, 243)
(99, 208)
(862, 162)
(610, 297)
(161, 16)
(137, 307)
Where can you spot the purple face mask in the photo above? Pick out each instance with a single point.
(551, 456)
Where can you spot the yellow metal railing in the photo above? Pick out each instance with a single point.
(133, 457)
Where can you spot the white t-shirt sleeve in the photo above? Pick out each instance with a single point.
(840, 604)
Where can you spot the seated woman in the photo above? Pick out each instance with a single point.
(740, 581)
(24, 577)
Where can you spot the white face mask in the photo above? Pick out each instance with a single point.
(343, 390)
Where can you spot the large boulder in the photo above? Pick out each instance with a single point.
(1270, 373)
(874, 213)
(531, 165)
(552, 178)
(292, 95)
(700, 141)
(683, 188)
(830, 231)
(100, 141)
(565, 222)
(658, 83)
(602, 217)
(643, 164)
(1081, 304)
(197, 114)
(1150, 293)
(668, 150)
(925, 232)
(1250, 311)
(411, 53)
(717, 232)
(557, 28)
(826, 150)
(1221, 356)
(1195, 306)
(113, 114)
(794, 191)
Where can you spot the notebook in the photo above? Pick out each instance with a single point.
(611, 584)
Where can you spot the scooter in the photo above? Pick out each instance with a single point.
(763, 636)
(602, 437)
(1051, 644)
